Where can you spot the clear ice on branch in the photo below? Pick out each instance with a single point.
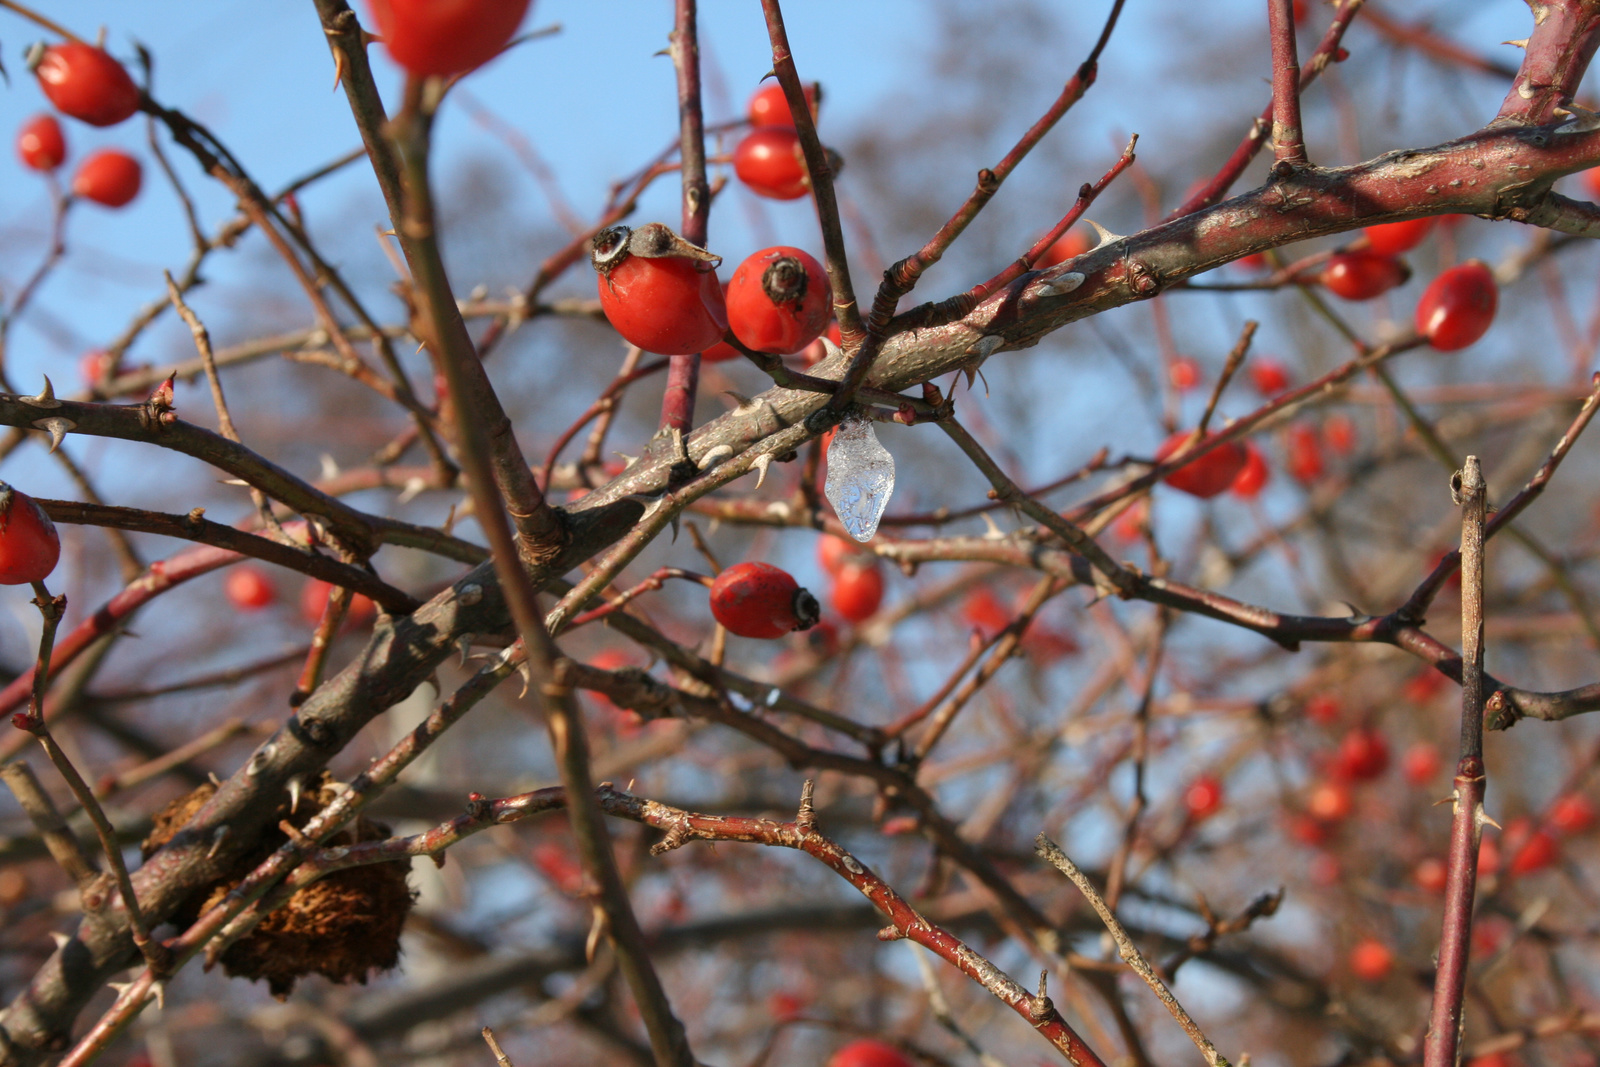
(860, 477)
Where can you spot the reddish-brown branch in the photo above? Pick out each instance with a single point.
(1327, 51)
(1565, 35)
(901, 278)
(683, 376)
(681, 827)
(1288, 136)
(820, 171)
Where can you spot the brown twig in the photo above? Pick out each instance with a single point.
(1455, 938)
(901, 278)
(1327, 51)
(683, 375)
(32, 722)
(1052, 854)
(58, 838)
(820, 171)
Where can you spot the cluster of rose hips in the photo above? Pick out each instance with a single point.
(661, 293)
(768, 160)
(86, 83)
(1455, 310)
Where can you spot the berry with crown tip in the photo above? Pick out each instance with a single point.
(762, 601)
(659, 291)
(779, 300)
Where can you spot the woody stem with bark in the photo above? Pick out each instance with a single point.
(1288, 138)
(456, 357)
(683, 374)
(1444, 1023)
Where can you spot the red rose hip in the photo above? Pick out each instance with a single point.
(85, 82)
(41, 143)
(248, 588)
(1209, 475)
(659, 291)
(1458, 307)
(108, 177)
(769, 107)
(29, 544)
(446, 36)
(759, 600)
(857, 591)
(868, 1053)
(779, 300)
(770, 163)
(1393, 238)
(1363, 275)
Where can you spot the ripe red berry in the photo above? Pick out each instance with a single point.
(1571, 813)
(1340, 432)
(868, 1053)
(1304, 459)
(1393, 238)
(29, 544)
(1363, 755)
(1209, 475)
(1324, 709)
(1255, 261)
(759, 600)
(1371, 960)
(1431, 874)
(982, 611)
(1253, 475)
(1069, 245)
(1363, 275)
(314, 601)
(658, 290)
(1183, 373)
(41, 143)
(769, 107)
(446, 36)
(1421, 763)
(86, 83)
(248, 588)
(834, 553)
(1539, 851)
(779, 300)
(1269, 377)
(1330, 802)
(1203, 797)
(1591, 180)
(857, 591)
(1458, 307)
(108, 177)
(770, 163)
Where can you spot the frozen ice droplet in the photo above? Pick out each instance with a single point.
(860, 477)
